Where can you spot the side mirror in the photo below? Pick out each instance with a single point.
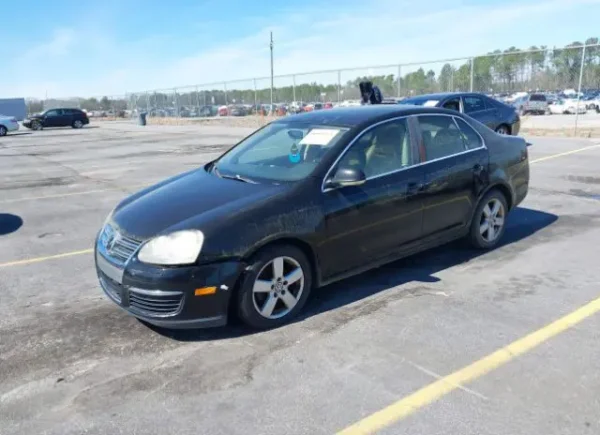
(347, 177)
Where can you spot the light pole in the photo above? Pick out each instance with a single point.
(271, 45)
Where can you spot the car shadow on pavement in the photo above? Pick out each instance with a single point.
(521, 224)
(20, 133)
(9, 223)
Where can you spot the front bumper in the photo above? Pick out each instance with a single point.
(165, 297)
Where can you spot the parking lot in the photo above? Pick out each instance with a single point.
(411, 338)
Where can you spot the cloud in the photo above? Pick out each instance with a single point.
(380, 32)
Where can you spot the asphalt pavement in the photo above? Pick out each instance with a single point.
(71, 362)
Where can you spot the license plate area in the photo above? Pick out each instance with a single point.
(110, 270)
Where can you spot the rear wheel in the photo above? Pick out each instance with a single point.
(489, 221)
(3, 130)
(503, 129)
(275, 288)
(77, 123)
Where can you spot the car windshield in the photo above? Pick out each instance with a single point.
(420, 101)
(279, 152)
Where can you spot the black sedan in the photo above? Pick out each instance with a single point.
(75, 118)
(302, 202)
(498, 116)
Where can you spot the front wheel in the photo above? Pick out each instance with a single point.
(489, 221)
(3, 131)
(275, 287)
(36, 125)
(502, 129)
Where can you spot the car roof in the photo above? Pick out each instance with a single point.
(442, 95)
(357, 115)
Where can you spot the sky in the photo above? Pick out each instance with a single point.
(68, 48)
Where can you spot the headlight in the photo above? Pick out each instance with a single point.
(179, 248)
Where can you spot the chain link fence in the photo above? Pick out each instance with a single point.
(571, 73)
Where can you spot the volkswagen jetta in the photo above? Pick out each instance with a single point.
(302, 202)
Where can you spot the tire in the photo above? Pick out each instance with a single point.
(77, 124)
(503, 129)
(484, 239)
(3, 131)
(36, 125)
(264, 300)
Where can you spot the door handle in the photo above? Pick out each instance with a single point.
(416, 187)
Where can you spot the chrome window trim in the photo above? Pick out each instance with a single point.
(358, 136)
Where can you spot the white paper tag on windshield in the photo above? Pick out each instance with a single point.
(319, 136)
(430, 103)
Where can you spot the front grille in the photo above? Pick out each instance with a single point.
(123, 248)
(112, 288)
(158, 304)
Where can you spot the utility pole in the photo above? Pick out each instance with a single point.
(271, 108)
(579, 87)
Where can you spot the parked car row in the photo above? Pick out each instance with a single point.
(555, 102)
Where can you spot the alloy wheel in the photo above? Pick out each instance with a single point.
(78, 124)
(3, 130)
(492, 220)
(278, 287)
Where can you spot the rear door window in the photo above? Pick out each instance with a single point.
(441, 136)
(471, 139)
(473, 104)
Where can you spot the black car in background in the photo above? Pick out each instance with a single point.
(498, 116)
(75, 118)
(302, 202)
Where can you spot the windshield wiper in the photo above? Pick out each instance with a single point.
(237, 177)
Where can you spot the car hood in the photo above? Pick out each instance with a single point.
(184, 201)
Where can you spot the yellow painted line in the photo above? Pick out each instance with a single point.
(432, 392)
(554, 156)
(49, 257)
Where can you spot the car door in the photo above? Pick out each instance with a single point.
(477, 108)
(369, 222)
(69, 115)
(455, 162)
(52, 118)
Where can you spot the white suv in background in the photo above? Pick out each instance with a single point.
(8, 123)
